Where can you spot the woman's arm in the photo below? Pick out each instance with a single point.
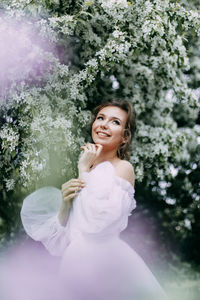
(69, 192)
(69, 189)
(63, 214)
(39, 216)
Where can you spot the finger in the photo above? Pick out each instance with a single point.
(94, 149)
(76, 184)
(71, 191)
(84, 148)
(72, 188)
(71, 181)
(69, 197)
(99, 149)
(89, 147)
(68, 190)
(67, 186)
(75, 194)
(74, 179)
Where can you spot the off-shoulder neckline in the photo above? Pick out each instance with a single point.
(121, 178)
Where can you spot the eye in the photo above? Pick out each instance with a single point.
(116, 122)
(100, 117)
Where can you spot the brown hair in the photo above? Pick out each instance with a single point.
(130, 127)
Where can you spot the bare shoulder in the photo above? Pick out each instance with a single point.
(124, 169)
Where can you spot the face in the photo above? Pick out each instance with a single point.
(108, 127)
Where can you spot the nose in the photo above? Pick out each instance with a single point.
(104, 124)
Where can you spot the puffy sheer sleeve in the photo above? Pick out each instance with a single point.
(105, 203)
(39, 215)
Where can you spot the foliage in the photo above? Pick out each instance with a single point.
(136, 50)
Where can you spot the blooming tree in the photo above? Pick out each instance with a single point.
(135, 50)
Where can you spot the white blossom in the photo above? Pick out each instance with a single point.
(92, 63)
(10, 138)
(10, 184)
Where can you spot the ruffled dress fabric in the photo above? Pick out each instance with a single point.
(95, 263)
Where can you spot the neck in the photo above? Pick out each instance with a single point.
(110, 155)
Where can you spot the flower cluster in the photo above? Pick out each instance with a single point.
(9, 138)
(64, 24)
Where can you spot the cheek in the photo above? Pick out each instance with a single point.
(118, 132)
(93, 126)
(96, 125)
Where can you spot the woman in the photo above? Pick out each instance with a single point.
(113, 126)
(86, 218)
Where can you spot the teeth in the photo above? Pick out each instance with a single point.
(102, 134)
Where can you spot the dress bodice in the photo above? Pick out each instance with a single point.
(101, 209)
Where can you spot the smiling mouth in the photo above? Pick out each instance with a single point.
(102, 134)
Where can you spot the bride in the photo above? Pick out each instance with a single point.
(82, 222)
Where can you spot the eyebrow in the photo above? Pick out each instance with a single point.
(111, 117)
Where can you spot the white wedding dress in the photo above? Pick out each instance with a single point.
(96, 264)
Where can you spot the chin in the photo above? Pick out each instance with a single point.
(97, 141)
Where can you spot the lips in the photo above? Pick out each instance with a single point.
(101, 133)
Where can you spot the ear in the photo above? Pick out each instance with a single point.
(124, 138)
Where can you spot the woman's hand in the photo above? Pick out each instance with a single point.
(70, 188)
(69, 192)
(87, 159)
